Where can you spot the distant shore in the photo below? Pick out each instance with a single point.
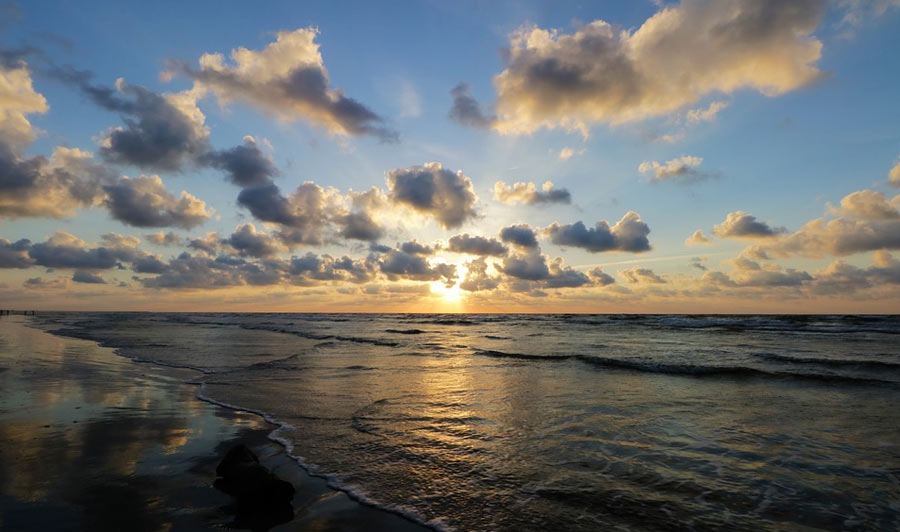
(93, 441)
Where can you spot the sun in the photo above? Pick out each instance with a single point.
(451, 295)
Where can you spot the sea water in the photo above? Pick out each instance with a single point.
(561, 422)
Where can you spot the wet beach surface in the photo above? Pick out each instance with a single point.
(92, 441)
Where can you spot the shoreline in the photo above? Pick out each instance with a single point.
(91, 438)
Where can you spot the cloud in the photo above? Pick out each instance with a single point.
(163, 132)
(164, 239)
(600, 74)
(748, 273)
(638, 275)
(695, 116)
(530, 267)
(249, 242)
(477, 279)
(519, 235)
(15, 254)
(567, 153)
(38, 283)
(600, 277)
(477, 245)
(682, 169)
(144, 202)
(18, 99)
(894, 174)
(697, 262)
(397, 264)
(697, 238)
(63, 250)
(287, 79)
(739, 224)
(435, 191)
(416, 248)
(465, 109)
(841, 278)
(208, 244)
(629, 234)
(54, 187)
(866, 223)
(868, 205)
(245, 164)
(81, 276)
(528, 194)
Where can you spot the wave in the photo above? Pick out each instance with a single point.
(689, 370)
(836, 362)
(405, 331)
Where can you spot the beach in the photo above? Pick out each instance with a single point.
(90, 440)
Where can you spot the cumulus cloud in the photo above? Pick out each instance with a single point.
(416, 248)
(531, 272)
(249, 242)
(465, 109)
(209, 244)
(15, 254)
(287, 79)
(528, 194)
(602, 74)
(749, 273)
(435, 191)
(477, 245)
(54, 187)
(697, 238)
(867, 222)
(530, 266)
(144, 202)
(397, 264)
(682, 169)
(17, 100)
(162, 132)
(843, 278)
(638, 275)
(63, 250)
(246, 165)
(894, 175)
(629, 234)
(600, 277)
(477, 279)
(739, 224)
(519, 235)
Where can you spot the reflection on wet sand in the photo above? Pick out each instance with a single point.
(92, 441)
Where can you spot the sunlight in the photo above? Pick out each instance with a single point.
(451, 294)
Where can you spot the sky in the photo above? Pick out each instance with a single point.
(729, 156)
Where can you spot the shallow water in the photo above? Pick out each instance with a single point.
(534, 422)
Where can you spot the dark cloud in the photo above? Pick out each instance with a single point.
(165, 239)
(466, 110)
(436, 191)
(477, 245)
(519, 235)
(359, 226)
(397, 264)
(629, 234)
(144, 202)
(15, 254)
(81, 276)
(249, 242)
(416, 248)
(65, 251)
(159, 132)
(529, 267)
(246, 165)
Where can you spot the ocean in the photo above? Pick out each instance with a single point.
(560, 422)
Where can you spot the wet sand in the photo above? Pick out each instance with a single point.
(93, 441)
